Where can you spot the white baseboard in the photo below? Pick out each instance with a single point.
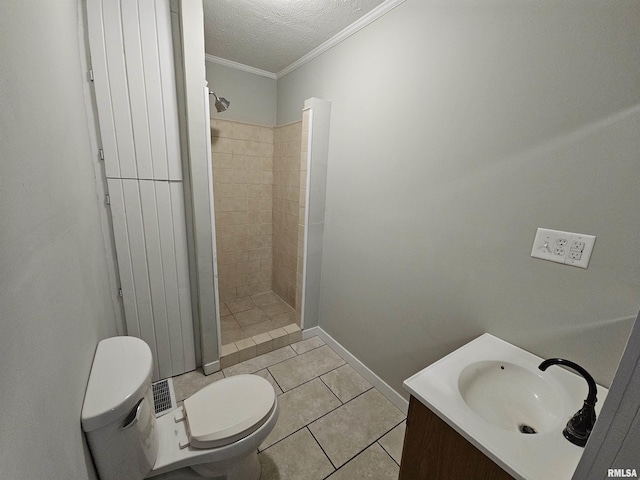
(212, 367)
(368, 374)
(310, 332)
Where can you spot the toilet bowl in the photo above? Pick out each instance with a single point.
(215, 434)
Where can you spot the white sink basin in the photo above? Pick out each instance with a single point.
(489, 390)
(511, 397)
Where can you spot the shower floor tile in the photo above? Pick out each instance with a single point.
(258, 328)
(238, 305)
(267, 298)
(250, 318)
(277, 309)
(284, 319)
(253, 315)
(231, 330)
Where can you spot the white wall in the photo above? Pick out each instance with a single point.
(252, 96)
(457, 129)
(55, 296)
(615, 439)
(198, 173)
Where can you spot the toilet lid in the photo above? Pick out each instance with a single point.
(228, 410)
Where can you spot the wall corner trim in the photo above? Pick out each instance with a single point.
(212, 367)
(369, 375)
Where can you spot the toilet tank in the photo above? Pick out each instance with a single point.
(118, 413)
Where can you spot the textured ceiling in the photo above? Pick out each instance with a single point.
(272, 34)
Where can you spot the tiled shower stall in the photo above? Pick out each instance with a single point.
(259, 181)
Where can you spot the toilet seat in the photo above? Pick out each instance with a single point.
(228, 410)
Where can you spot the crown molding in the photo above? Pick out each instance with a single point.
(239, 66)
(382, 9)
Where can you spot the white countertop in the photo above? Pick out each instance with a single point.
(541, 456)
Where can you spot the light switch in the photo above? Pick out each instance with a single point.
(563, 247)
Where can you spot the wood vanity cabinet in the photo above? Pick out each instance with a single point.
(435, 451)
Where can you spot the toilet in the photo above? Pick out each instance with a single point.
(215, 435)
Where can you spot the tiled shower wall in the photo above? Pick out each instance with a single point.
(242, 159)
(286, 198)
(258, 187)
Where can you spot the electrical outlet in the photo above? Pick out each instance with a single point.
(579, 246)
(563, 247)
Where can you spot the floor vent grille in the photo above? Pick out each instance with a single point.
(164, 398)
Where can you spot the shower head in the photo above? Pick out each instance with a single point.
(221, 103)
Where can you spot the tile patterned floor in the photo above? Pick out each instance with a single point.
(333, 424)
(248, 316)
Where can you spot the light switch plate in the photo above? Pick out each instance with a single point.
(563, 247)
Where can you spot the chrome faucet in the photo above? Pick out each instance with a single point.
(580, 425)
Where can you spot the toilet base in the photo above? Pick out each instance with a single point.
(245, 468)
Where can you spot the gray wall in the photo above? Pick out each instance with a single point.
(615, 439)
(55, 302)
(457, 129)
(252, 96)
